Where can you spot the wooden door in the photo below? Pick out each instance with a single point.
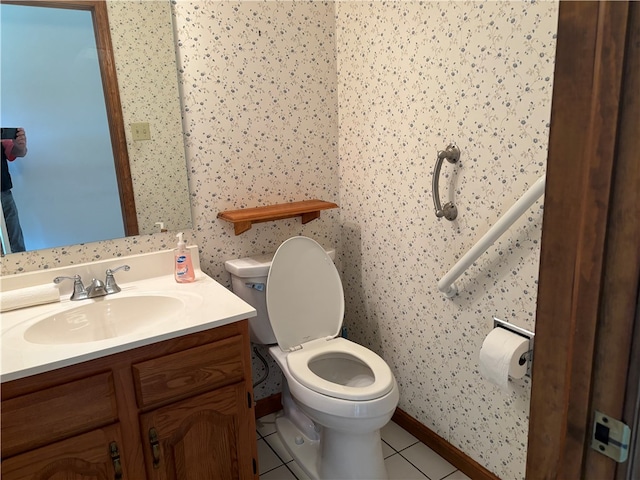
(207, 437)
(590, 259)
(95, 455)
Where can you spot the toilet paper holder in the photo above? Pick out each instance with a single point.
(528, 355)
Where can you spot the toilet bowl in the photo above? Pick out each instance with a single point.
(337, 394)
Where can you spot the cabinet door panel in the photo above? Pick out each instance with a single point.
(84, 457)
(40, 418)
(202, 438)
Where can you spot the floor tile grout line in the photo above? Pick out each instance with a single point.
(389, 445)
(417, 468)
(286, 464)
(270, 470)
(409, 446)
(273, 449)
(456, 470)
(263, 436)
(291, 471)
(403, 448)
(277, 456)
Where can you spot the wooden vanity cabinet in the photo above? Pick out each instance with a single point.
(80, 457)
(188, 441)
(178, 409)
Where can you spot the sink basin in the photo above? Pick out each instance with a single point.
(103, 319)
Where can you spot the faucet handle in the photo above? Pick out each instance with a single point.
(110, 282)
(79, 292)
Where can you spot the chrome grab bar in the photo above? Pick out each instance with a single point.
(449, 210)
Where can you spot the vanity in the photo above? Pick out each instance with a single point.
(167, 398)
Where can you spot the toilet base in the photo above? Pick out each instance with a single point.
(341, 457)
(331, 454)
(303, 450)
(353, 456)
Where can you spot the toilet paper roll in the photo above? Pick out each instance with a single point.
(500, 356)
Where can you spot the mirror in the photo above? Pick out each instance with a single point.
(79, 179)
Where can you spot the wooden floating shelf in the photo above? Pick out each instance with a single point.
(244, 218)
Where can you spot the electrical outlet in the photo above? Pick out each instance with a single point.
(141, 131)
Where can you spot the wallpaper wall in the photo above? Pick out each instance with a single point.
(349, 102)
(145, 60)
(413, 77)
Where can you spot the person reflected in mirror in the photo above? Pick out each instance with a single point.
(12, 149)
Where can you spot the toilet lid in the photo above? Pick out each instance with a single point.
(305, 300)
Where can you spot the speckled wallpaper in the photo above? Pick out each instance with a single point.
(413, 77)
(349, 102)
(148, 82)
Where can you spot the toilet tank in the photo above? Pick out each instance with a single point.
(249, 282)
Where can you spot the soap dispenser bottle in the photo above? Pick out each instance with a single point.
(183, 265)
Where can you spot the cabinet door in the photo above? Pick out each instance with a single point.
(91, 456)
(207, 437)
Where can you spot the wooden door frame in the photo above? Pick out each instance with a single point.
(588, 284)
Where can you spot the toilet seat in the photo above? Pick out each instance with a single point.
(305, 303)
(299, 361)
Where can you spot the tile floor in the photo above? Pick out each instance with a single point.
(405, 456)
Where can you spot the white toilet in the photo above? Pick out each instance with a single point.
(337, 394)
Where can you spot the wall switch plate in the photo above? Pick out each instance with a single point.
(141, 131)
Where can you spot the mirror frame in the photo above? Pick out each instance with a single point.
(102, 32)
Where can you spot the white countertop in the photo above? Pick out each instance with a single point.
(207, 305)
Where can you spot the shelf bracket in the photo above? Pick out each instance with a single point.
(307, 217)
(241, 227)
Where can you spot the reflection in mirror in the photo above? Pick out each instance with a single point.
(68, 174)
(66, 187)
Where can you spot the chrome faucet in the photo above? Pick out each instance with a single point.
(79, 292)
(110, 282)
(98, 288)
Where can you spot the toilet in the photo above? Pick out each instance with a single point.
(337, 395)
